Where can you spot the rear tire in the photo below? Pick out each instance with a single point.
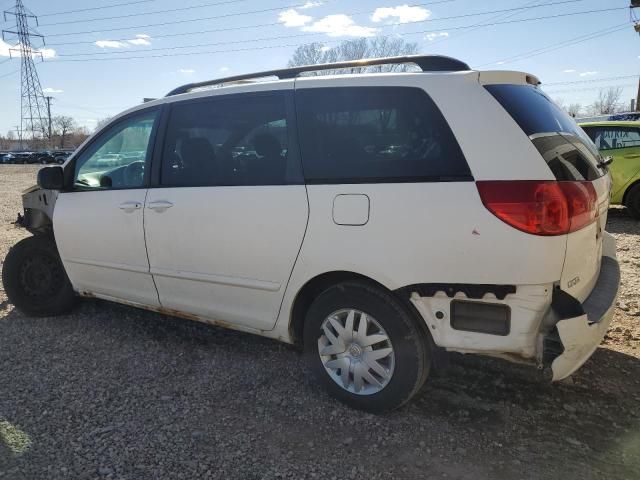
(35, 280)
(391, 339)
(632, 202)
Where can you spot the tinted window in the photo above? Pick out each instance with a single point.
(612, 137)
(230, 140)
(119, 157)
(535, 112)
(566, 156)
(381, 134)
(569, 152)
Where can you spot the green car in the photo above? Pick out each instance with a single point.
(620, 140)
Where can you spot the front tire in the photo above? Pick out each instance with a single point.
(632, 202)
(365, 347)
(35, 280)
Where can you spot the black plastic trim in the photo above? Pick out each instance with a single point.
(360, 180)
(480, 317)
(475, 291)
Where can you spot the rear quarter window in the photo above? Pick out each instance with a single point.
(375, 134)
(568, 151)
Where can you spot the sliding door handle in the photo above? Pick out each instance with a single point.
(130, 206)
(159, 206)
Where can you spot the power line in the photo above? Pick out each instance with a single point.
(135, 27)
(204, 5)
(353, 13)
(277, 46)
(585, 89)
(278, 37)
(10, 73)
(170, 10)
(593, 80)
(483, 24)
(96, 8)
(557, 46)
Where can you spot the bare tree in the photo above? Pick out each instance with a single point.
(101, 123)
(63, 126)
(608, 101)
(574, 109)
(315, 53)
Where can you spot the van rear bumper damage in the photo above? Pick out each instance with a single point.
(580, 327)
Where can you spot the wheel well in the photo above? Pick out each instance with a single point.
(310, 291)
(314, 287)
(624, 196)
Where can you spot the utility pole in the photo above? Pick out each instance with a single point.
(19, 132)
(633, 4)
(48, 99)
(32, 104)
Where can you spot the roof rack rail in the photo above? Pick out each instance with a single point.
(428, 63)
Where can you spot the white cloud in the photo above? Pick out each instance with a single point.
(588, 74)
(111, 44)
(569, 70)
(311, 4)
(15, 52)
(223, 69)
(51, 90)
(291, 18)
(340, 25)
(186, 71)
(401, 14)
(500, 63)
(141, 39)
(432, 36)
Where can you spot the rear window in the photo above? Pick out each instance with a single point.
(569, 152)
(375, 134)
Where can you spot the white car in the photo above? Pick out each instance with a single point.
(383, 219)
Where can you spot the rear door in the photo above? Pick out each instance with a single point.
(573, 158)
(225, 222)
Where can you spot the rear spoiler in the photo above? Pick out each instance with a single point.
(493, 77)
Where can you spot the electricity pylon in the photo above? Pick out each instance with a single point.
(33, 106)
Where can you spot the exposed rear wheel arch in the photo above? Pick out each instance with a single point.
(310, 291)
(314, 287)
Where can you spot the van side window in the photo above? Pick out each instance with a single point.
(119, 157)
(375, 134)
(612, 137)
(229, 140)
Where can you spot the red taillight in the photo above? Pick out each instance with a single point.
(541, 207)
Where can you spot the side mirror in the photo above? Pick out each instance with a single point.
(51, 178)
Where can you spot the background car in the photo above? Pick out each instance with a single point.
(620, 140)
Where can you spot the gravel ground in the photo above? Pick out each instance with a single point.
(114, 392)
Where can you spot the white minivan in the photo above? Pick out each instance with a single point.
(377, 220)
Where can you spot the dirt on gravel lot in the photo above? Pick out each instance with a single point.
(114, 392)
